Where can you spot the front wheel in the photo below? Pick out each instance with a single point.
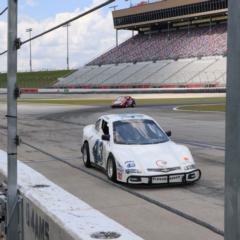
(86, 155)
(111, 169)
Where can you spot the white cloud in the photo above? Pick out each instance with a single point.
(88, 38)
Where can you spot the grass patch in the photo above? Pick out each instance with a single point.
(204, 108)
(109, 101)
(68, 101)
(40, 79)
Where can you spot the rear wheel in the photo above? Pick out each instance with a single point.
(111, 169)
(86, 155)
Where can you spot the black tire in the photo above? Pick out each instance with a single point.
(133, 104)
(86, 155)
(111, 174)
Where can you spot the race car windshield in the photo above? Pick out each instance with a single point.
(138, 132)
(120, 98)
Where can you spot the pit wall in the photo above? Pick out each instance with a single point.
(118, 90)
(51, 213)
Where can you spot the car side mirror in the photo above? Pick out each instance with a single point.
(106, 137)
(169, 133)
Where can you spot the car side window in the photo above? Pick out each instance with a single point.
(97, 125)
(105, 127)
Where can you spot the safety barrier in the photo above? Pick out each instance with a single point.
(29, 90)
(51, 213)
(183, 89)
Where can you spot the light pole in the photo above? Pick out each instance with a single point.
(29, 30)
(168, 35)
(232, 156)
(12, 191)
(114, 8)
(130, 2)
(67, 26)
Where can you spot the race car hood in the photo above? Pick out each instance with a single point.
(153, 156)
(118, 102)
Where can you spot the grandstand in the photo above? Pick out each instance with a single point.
(179, 44)
(197, 42)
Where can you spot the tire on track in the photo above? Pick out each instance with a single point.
(111, 170)
(86, 155)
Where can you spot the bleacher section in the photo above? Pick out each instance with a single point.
(190, 72)
(189, 57)
(173, 44)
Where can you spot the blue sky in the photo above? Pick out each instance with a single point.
(44, 9)
(90, 36)
(41, 9)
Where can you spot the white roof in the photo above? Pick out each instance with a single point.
(125, 116)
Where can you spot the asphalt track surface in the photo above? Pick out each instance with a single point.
(51, 141)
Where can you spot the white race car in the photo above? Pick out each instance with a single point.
(133, 148)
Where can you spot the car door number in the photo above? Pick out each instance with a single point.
(98, 152)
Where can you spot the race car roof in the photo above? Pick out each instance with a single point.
(125, 116)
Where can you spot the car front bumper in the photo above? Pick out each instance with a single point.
(168, 179)
(118, 106)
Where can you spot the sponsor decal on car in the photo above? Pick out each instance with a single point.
(98, 152)
(130, 164)
(161, 163)
(119, 175)
(156, 180)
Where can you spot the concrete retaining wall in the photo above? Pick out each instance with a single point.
(125, 90)
(51, 213)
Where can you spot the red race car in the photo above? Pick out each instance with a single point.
(123, 102)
